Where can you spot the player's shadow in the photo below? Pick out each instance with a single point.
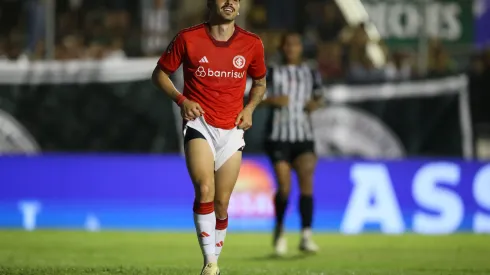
(274, 257)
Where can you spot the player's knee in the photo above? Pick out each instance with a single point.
(284, 190)
(305, 176)
(204, 190)
(306, 170)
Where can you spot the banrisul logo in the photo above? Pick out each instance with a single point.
(203, 72)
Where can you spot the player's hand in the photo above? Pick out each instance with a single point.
(190, 110)
(313, 105)
(244, 119)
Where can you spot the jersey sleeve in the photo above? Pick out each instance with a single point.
(257, 68)
(269, 78)
(173, 56)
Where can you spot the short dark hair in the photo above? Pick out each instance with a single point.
(287, 34)
(284, 37)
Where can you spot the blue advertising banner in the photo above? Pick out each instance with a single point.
(482, 21)
(115, 192)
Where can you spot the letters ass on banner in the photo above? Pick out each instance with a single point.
(352, 196)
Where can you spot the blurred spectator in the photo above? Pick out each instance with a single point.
(189, 13)
(67, 23)
(362, 69)
(331, 24)
(323, 22)
(476, 73)
(257, 18)
(35, 11)
(115, 50)
(485, 88)
(272, 41)
(353, 40)
(440, 64)
(330, 61)
(117, 19)
(96, 50)
(10, 15)
(39, 52)
(155, 27)
(3, 50)
(15, 47)
(74, 46)
(399, 67)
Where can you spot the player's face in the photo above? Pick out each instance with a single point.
(293, 48)
(226, 9)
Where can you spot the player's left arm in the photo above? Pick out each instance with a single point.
(257, 70)
(257, 93)
(317, 101)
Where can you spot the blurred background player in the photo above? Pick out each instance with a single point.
(217, 57)
(292, 95)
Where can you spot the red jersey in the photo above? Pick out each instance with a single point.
(215, 72)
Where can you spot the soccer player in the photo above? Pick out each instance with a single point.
(292, 96)
(217, 57)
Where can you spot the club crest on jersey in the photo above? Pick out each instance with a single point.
(239, 62)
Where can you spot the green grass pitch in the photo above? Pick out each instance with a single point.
(71, 252)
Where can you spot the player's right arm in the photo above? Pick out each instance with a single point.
(271, 97)
(162, 81)
(168, 63)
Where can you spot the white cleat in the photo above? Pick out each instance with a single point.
(307, 245)
(210, 269)
(281, 246)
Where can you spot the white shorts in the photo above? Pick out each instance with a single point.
(223, 143)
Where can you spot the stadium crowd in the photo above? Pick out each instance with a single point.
(117, 29)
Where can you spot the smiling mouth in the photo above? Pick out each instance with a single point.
(229, 9)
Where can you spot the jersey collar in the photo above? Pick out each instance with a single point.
(220, 43)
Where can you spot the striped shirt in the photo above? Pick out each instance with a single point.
(300, 83)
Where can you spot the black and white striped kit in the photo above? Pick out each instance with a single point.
(300, 83)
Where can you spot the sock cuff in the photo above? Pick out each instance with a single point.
(305, 197)
(203, 208)
(281, 198)
(221, 224)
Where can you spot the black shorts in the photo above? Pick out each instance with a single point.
(288, 151)
(192, 133)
